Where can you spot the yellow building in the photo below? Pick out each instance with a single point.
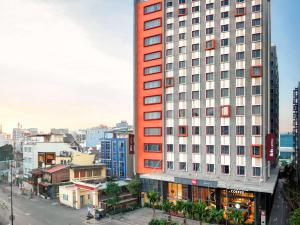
(77, 158)
(87, 172)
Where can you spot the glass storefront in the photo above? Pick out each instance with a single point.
(241, 200)
(177, 191)
(207, 195)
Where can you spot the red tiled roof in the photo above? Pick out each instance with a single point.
(55, 168)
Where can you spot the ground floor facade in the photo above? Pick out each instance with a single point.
(256, 206)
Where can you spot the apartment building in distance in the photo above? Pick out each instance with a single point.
(296, 129)
(204, 124)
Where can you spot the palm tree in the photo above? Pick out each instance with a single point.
(200, 209)
(216, 215)
(168, 207)
(153, 197)
(236, 216)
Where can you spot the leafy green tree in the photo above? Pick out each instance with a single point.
(134, 187)
(187, 209)
(236, 216)
(215, 215)
(199, 208)
(113, 192)
(153, 197)
(295, 219)
(6, 153)
(168, 207)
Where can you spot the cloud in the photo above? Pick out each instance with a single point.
(52, 74)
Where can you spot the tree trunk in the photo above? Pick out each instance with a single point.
(153, 212)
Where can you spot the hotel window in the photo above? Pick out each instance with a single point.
(152, 99)
(181, 113)
(210, 93)
(169, 114)
(256, 22)
(209, 30)
(169, 52)
(224, 130)
(152, 8)
(196, 20)
(224, 2)
(225, 111)
(195, 9)
(195, 112)
(195, 148)
(169, 97)
(170, 165)
(256, 37)
(256, 71)
(256, 171)
(182, 166)
(195, 62)
(240, 56)
(182, 96)
(224, 58)
(195, 47)
(169, 66)
(224, 75)
(182, 36)
(225, 169)
(239, 73)
(182, 64)
(169, 3)
(256, 8)
(169, 26)
(240, 40)
(256, 90)
(210, 130)
(169, 130)
(195, 78)
(152, 56)
(240, 91)
(182, 1)
(152, 131)
(182, 131)
(182, 12)
(196, 167)
(169, 82)
(225, 28)
(210, 168)
(240, 110)
(182, 23)
(224, 15)
(240, 25)
(152, 24)
(182, 49)
(209, 17)
(152, 40)
(152, 147)
(152, 115)
(169, 14)
(209, 111)
(152, 163)
(209, 76)
(240, 130)
(182, 148)
(209, 60)
(195, 95)
(195, 130)
(256, 151)
(240, 1)
(256, 130)
(152, 70)
(224, 92)
(256, 54)
(240, 150)
(211, 44)
(256, 109)
(195, 33)
(225, 149)
(224, 42)
(169, 38)
(170, 148)
(240, 170)
(182, 80)
(210, 6)
(210, 149)
(240, 11)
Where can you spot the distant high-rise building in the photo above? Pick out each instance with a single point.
(286, 147)
(94, 135)
(59, 131)
(296, 131)
(205, 124)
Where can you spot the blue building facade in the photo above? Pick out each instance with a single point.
(113, 152)
(95, 135)
(286, 149)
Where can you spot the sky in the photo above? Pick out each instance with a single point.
(69, 63)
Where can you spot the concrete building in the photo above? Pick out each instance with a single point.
(59, 131)
(94, 135)
(296, 130)
(286, 147)
(19, 134)
(202, 120)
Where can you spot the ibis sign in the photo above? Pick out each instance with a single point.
(270, 147)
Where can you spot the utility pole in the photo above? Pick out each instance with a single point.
(11, 194)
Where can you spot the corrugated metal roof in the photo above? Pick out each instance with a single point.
(55, 168)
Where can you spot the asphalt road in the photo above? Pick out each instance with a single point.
(39, 211)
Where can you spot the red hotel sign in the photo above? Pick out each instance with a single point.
(270, 147)
(131, 143)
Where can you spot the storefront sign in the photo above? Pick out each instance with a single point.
(270, 147)
(131, 143)
(234, 191)
(195, 182)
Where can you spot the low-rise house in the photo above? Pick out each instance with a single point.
(96, 172)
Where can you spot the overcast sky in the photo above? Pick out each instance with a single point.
(68, 63)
